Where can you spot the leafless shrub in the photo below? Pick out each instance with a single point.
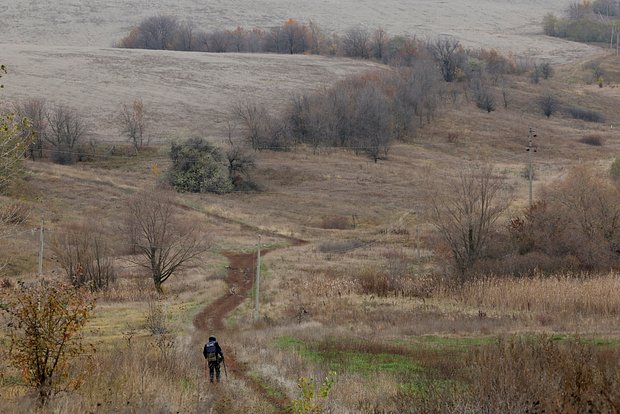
(132, 123)
(448, 54)
(240, 164)
(548, 104)
(535, 74)
(14, 213)
(482, 95)
(465, 215)
(336, 222)
(261, 131)
(593, 140)
(528, 374)
(546, 70)
(66, 129)
(583, 114)
(356, 42)
(356, 113)
(186, 36)
(35, 111)
(577, 216)
(85, 256)
(454, 137)
(156, 319)
(571, 376)
(379, 44)
(158, 32)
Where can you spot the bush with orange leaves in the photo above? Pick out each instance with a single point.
(45, 322)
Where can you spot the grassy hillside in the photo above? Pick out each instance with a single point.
(355, 278)
(321, 302)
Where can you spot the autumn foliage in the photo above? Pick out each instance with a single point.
(45, 322)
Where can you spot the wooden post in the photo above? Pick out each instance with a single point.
(257, 283)
(40, 268)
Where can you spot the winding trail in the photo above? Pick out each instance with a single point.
(240, 281)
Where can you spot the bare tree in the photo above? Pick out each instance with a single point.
(239, 162)
(466, 213)
(36, 112)
(66, 129)
(85, 256)
(483, 96)
(133, 123)
(293, 36)
(237, 39)
(186, 37)
(546, 70)
(316, 39)
(548, 104)
(379, 44)
(261, 131)
(578, 9)
(158, 32)
(217, 41)
(356, 42)
(164, 245)
(447, 53)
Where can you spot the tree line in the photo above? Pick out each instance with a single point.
(363, 113)
(573, 226)
(165, 32)
(586, 21)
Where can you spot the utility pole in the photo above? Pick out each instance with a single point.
(417, 242)
(40, 269)
(530, 148)
(257, 283)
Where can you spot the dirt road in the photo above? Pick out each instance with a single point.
(239, 280)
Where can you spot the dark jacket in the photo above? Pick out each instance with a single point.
(212, 347)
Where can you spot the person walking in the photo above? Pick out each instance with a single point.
(214, 356)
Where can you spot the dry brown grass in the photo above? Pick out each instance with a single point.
(151, 374)
(576, 295)
(377, 290)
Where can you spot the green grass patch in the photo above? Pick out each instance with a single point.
(349, 356)
(359, 362)
(288, 342)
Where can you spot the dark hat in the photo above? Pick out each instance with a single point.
(212, 338)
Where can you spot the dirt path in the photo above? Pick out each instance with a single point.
(239, 280)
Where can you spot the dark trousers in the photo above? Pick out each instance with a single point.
(214, 366)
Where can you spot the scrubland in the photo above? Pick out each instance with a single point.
(356, 279)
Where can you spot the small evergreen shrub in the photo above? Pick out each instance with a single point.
(198, 167)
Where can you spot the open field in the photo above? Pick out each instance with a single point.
(503, 24)
(354, 278)
(184, 93)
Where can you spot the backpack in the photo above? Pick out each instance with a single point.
(211, 351)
